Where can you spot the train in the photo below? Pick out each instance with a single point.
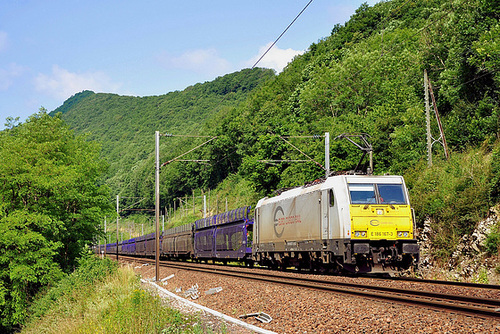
(340, 224)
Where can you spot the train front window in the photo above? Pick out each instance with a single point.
(362, 194)
(377, 194)
(391, 194)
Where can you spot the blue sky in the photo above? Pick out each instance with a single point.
(52, 49)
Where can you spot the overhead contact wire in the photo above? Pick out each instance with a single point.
(295, 147)
(284, 31)
(269, 48)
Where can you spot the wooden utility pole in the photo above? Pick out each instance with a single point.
(430, 139)
(442, 138)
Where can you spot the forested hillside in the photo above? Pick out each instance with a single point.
(367, 76)
(125, 125)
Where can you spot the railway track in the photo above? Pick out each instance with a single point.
(450, 283)
(473, 306)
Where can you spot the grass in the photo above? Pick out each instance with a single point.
(111, 303)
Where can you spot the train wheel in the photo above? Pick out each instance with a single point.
(285, 263)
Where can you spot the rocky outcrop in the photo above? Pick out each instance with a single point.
(469, 261)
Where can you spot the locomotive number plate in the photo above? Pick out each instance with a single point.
(382, 234)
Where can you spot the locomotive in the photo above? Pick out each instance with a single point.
(340, 224)
(350, 223)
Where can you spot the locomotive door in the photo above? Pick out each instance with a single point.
(333, 209)
(256, 228)
(325, 214)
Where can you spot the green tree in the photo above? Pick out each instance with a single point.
(50, 207)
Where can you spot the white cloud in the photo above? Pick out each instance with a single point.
(8, 74)
(3, 40)
(276, 58)
(204, 61)
(62, 84)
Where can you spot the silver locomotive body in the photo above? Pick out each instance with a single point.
(346, 223)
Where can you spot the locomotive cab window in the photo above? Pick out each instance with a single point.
(377, 194)
(391, 194)
(362, 194)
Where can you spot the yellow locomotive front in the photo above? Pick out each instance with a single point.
(381, 226)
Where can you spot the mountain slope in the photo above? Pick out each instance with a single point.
(125, 125)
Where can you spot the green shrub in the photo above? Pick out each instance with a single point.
(99, 298)
(493, 242)
(90, 271)
(455, 194)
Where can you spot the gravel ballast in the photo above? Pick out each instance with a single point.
(300, 310)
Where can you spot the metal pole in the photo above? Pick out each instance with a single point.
(105, 237)
(204, 206)
(327, 153)
(157, 205)
(371, 162)
(181, 206)
(428, 120)
(117, 218)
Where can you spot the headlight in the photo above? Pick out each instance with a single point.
(358, 234)
(403, 234)
(363, 234)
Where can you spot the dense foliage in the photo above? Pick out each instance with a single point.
(90, 272)
(51, 205)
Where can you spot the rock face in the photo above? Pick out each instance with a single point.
(469, 261)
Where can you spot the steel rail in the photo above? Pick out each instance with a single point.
(440, 282)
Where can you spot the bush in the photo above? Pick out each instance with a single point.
(493, 242)
(90, 271)
(455, 194)
(99, 298)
